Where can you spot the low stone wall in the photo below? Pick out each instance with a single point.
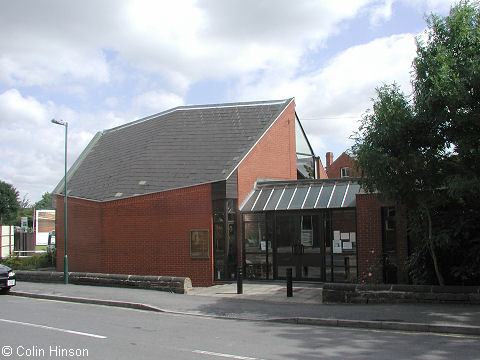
(179, 285)
(384, 293)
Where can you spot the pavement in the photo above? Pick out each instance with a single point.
(268, 302)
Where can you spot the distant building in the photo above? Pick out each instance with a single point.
(342, 167)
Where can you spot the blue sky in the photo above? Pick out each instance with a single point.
(99, 64)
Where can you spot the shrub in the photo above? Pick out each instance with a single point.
(29, 263)
(374, 273)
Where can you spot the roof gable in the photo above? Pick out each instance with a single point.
(343, 161)
(181, 147)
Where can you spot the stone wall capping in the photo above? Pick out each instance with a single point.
(179, 285)
(388, 294)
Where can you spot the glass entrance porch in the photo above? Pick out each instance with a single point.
(298, 241)
(302, 241)
(309, 227)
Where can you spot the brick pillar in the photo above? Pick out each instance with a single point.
(369, 233)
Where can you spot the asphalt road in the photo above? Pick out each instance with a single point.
(39, 329)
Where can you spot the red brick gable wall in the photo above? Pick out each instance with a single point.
(144, 235)
(273, 157)
(344, 160)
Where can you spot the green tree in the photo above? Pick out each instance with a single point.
(395, 160)
(45, 203)
(424, 152)
(447, 92)
(9, 204)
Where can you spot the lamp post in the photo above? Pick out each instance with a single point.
(65, 258)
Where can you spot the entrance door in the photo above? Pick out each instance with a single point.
(298, 246)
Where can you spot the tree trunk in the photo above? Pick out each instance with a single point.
(431, 246)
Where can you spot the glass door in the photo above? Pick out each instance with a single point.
(298, 246)
(286, 245)
(309, 253)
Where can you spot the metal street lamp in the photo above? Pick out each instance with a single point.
(65, 258)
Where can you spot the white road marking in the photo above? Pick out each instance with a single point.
(54, 329)
(225, 355)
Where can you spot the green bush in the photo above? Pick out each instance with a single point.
(29, 263)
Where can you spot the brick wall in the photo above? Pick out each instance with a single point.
(344, 160)
(369, 234)
(144, 235)
(274, 156)
(84, 247)
(321, 172)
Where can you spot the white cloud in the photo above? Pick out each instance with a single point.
(191, 39)
(344, 88)
(18, 111)
(381, 12)
(152, 102)
(40, 63)
(32, 147)
(428, 6)
(333, 98)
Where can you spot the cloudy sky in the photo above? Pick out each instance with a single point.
(99, 64)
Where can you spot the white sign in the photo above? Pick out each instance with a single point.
(347, 245)
(24, 223)
(353, 237)
(345, 236)
(44, 224)
(337, 246)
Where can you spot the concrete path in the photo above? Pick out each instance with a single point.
(304, 293)
(268, 302)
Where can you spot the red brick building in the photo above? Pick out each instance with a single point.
(342, 167)
(180, 193)
(160, 195)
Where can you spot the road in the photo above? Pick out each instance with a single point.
(39, 329)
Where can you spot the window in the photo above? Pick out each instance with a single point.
(306, 236)
(390, 219)
(306, 167)
(345, 172)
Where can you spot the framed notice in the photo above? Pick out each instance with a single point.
(199, 244)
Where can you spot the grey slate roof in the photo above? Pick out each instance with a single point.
(181, 147)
